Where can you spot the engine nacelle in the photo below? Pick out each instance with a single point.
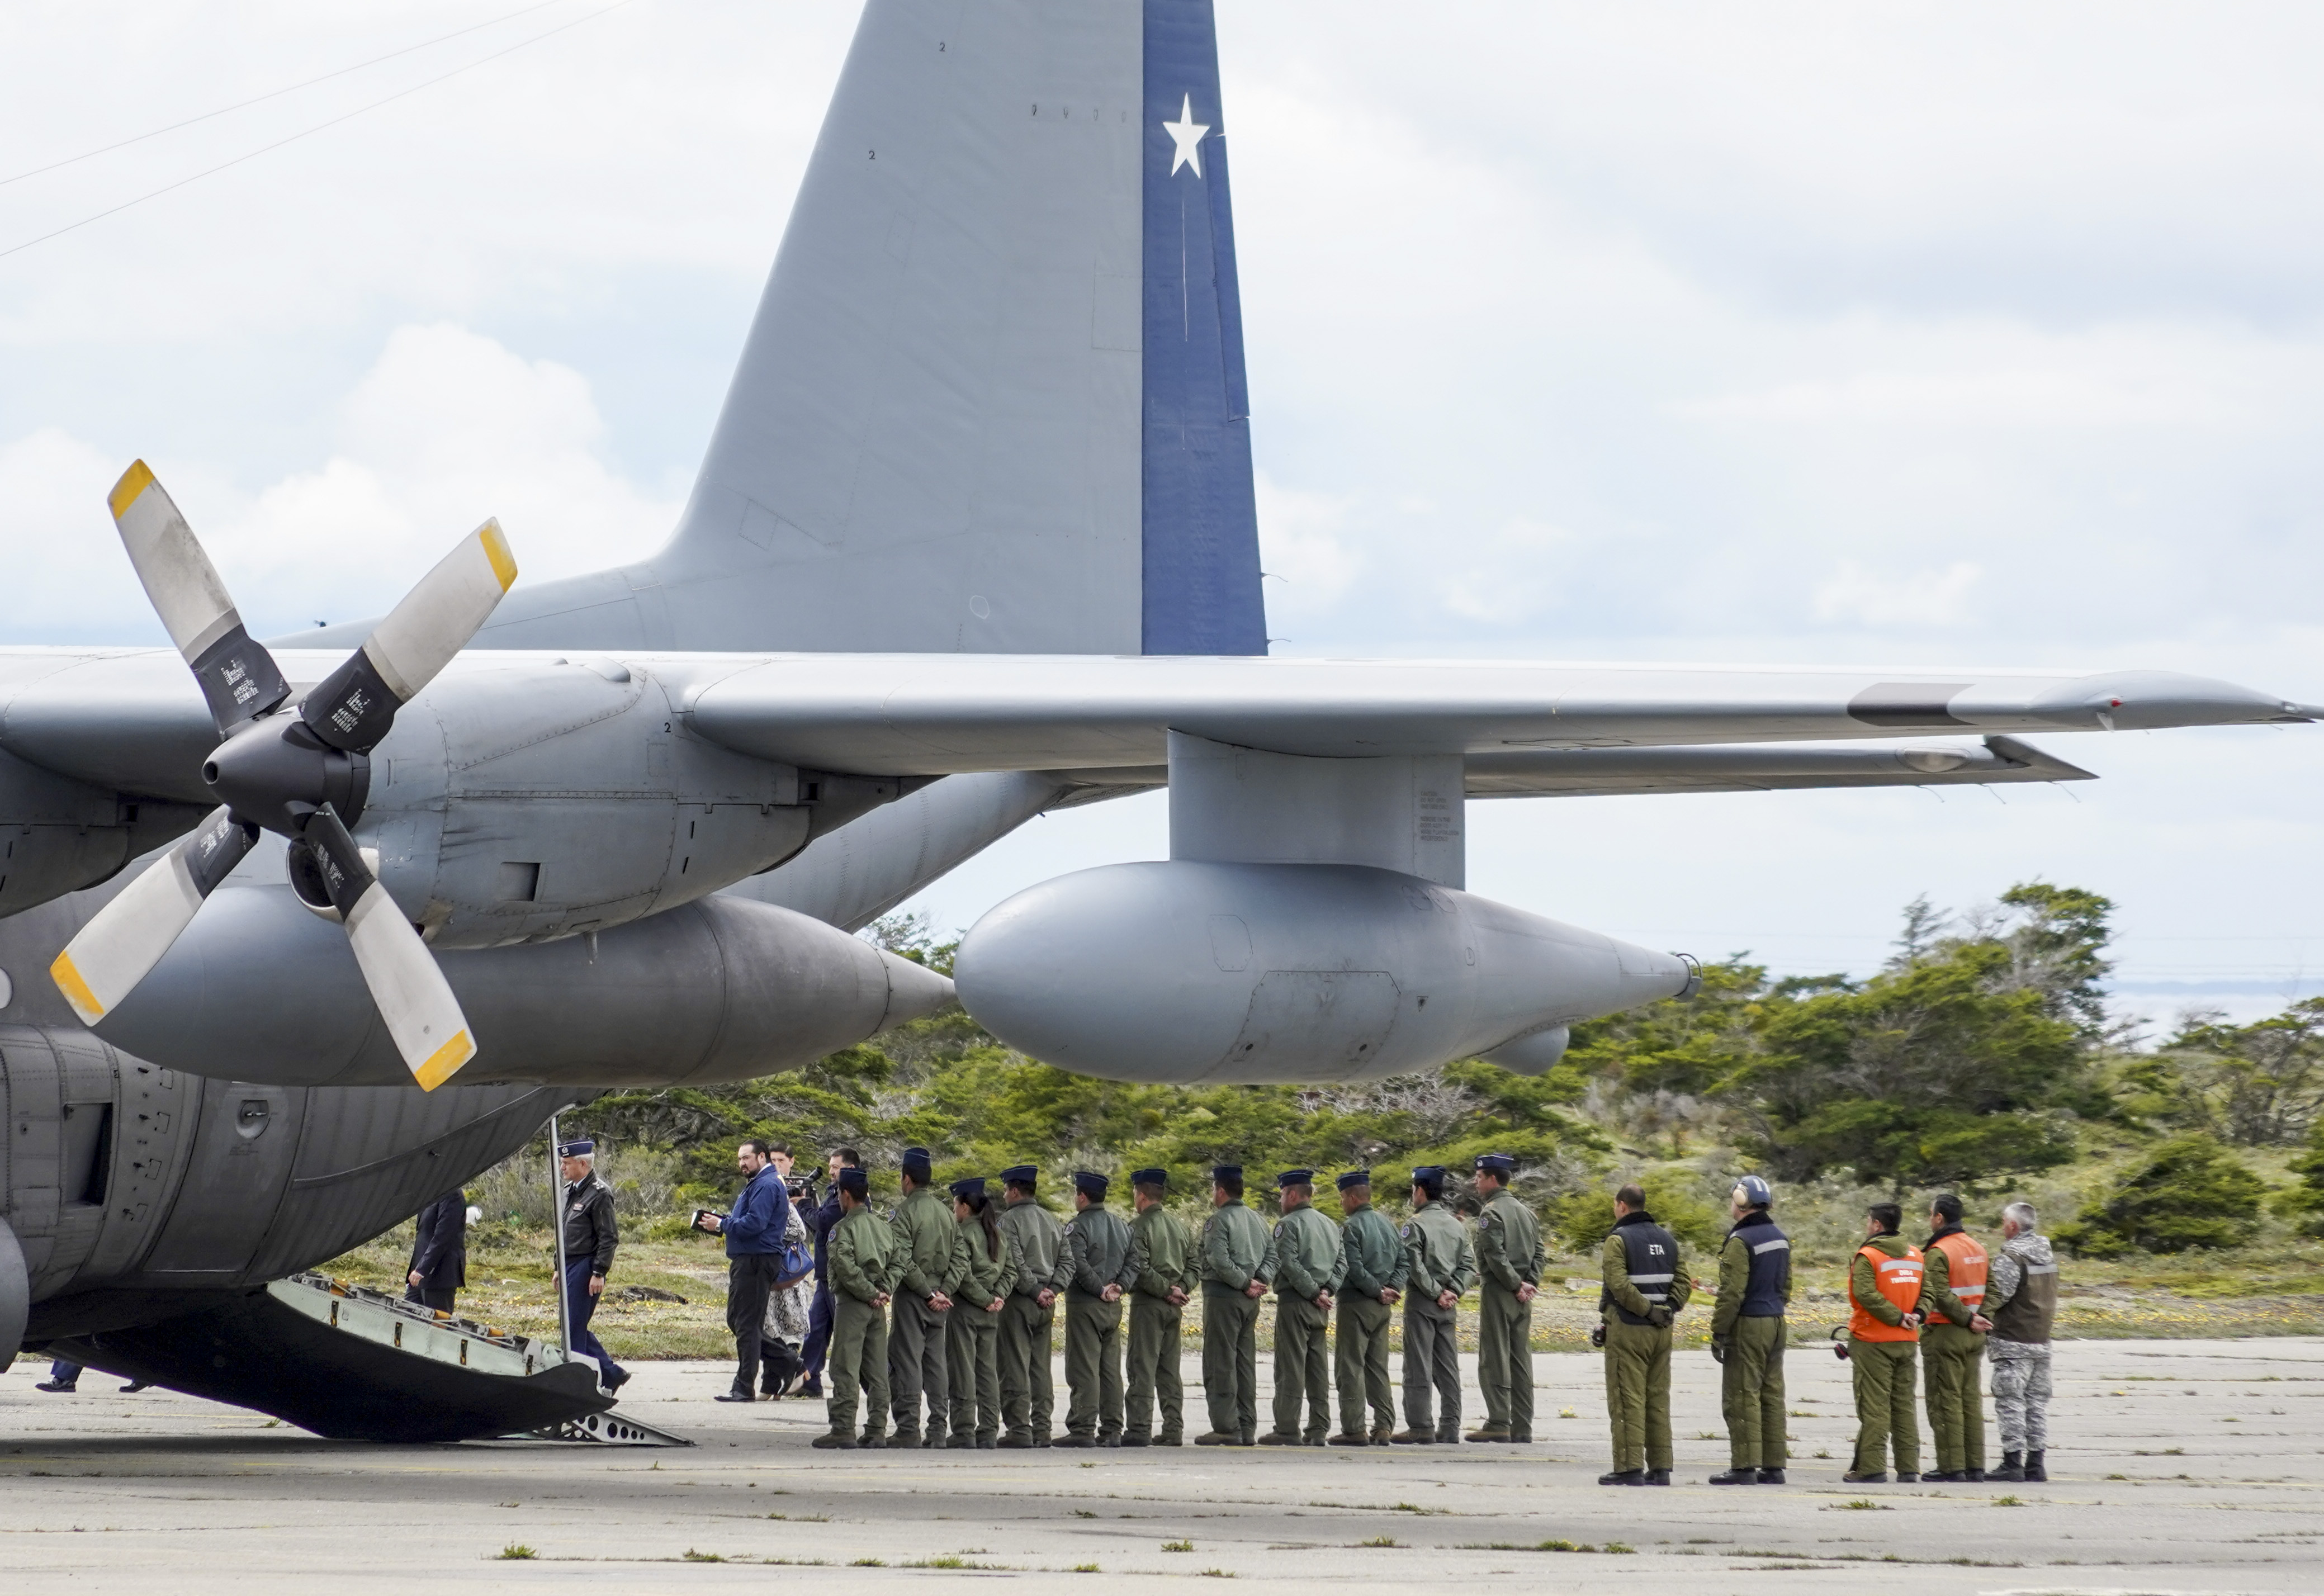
(535, 799)
(1223, 972)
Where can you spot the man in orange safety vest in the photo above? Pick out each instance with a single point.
(1952, 1348)
(1884, 1291)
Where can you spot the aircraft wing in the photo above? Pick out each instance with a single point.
(132, 720)
(925, 714)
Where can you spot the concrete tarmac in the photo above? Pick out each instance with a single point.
(2177, 1467)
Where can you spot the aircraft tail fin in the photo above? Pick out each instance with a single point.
(993, 397)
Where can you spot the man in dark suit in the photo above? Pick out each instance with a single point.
(439, 1253)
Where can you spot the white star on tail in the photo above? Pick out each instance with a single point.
(1186, 134)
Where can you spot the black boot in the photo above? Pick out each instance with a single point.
(1736, 1477)
(2035, 1471)
(1974, 1476)
(2012, 1467)
(1624, 1477)
(1771, 1477)
(1658, 1476)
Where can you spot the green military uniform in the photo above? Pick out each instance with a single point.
(1747, 1328)
(862, 1268)
(1643, 1284)
(1305, 1260)
(932, 1258)
(1372, 1261)
(1508, 1256)
(1027, 1393)
(1097, 1255)
(1882, 1370)
(1163, 1252)
(1953, 1357)
(1234, 1253)
(1442, 1259)
(972, 1338)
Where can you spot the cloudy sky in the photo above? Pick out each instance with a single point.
(1913, 334)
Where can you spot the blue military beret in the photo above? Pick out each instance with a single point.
(1429, 1179)
(1295, 1178)
(972, 1186)
(1355, 1178)
(1499, 1163)
(852, 1179)
(579, 1148)
(916, 1162)
(1091, 1182)
(1150, 1177)
(1019, 1175)
(1226, 1172)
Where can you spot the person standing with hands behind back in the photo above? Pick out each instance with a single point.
(754, 1258)
(1885, 1293)
(864, 1263)
(1643, 1286)
(1509, 1257)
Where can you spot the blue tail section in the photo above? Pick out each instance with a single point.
(1201, 520)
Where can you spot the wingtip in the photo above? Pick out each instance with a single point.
(68, 977)
(445, 1063)
(133, 482)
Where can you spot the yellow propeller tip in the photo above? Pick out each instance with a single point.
(133, 482)
(496, 549)
(69, 981)
(445, 1062)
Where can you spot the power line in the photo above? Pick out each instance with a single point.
(276, 94)
(318, 127)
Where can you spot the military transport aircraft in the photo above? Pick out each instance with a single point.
(303, 935)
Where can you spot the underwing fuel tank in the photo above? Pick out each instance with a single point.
(1226, 972)
(260, 989)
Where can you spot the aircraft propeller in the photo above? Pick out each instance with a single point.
(303, 774)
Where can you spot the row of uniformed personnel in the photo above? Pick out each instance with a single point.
(975, 1289)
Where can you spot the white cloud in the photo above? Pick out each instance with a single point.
(1857, 597)
(1304, 542)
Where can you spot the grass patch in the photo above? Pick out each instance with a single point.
(1379, 1540)
(1178, 1545)
(1862, 1504)
(2007, 1501)
(1218, 1573)
(516, 1552)
(869, 1562)
(802, 1517)
(1083, 1513)
(1087, 1568)
(691, 1556)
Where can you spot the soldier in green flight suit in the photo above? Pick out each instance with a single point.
(1508, 1259)
(1162, 1253)
(1443, 1266)
(1747, 1336)
(862, 1270)
(1372, 1271)
(1028, 1396)
(973, 1327)
(1643, 1284)
(1099, 1270)
(1305, 1258)
(932, 1260)
(1234, 1263)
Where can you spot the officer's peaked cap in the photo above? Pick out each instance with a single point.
(579, 1148)
(1355, 1178)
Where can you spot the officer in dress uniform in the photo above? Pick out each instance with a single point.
(973, 1327)
(1442, 1268)
(1952, 1346)
(1167, 1269)
(1305, 1258)
(1027, 1389)
(1887, 1306)
(932, 1260)
(1099, 1271)
(1510, 1259)
(1643, 1284)
(439, 1253)
(591, 1235)
(1235, 1248)
(863, 1268)
(1373, 1268)
(1747, 1336)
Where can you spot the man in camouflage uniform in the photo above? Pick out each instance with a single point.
(1643, 1284)
(932, 1258)
(1305, 1258)
(1098, 1271)
(1027, 1393)
(2022, 1301)
(1234, 1263)
(1372, 1271)
(973, 1327)
(1444, 1267)
(1162, 1253)
(1510, 1259)
(862, 1271)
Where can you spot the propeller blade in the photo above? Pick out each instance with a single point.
(238, 677)
(352, 707)
(121, 945)
(422, 1015)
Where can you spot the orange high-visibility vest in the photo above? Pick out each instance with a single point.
(1966, 1267)
(1899, 1280)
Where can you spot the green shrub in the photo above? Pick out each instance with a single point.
(1583, 1218)
(2189, 1193)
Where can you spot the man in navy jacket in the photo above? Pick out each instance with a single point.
(754, 1258)
(818, 1318)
